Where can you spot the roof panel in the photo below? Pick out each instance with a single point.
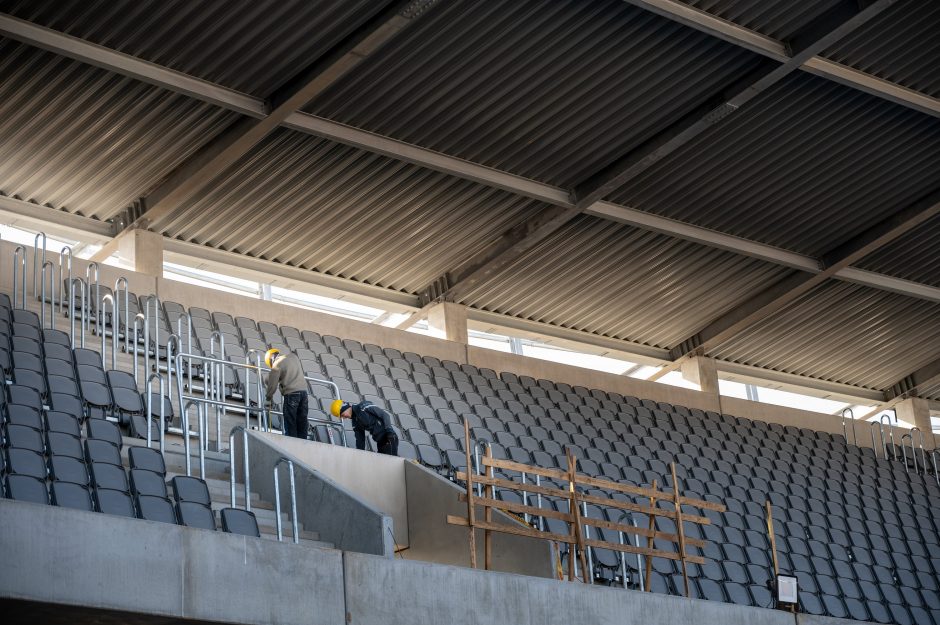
(915, 256)
(249, 46)
(548, 90)
(311, 203)
(805, 166)
(86, 140)
(843, 333)
(779, 19)
(622, 282)
(901, 45)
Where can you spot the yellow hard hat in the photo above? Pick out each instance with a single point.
(269, 356)
(336, 408)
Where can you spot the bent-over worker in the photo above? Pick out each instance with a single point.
(366, 416)
(288, 374)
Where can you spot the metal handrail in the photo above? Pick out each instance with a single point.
(295, 526)
(104, 333)
(71, 313)
(894, 452)
(845, 430)
(19, 253)
(173, 340)
(156, 333)
(623, 555)
(50, 277)
(217, 379)
(161, 388)
(587, 535)
(881, 432)
(477, 467)
(36, 262)
(88, 268)
(231, 467)
(137, 319)
(913, 453)
(65, 252)
(923, 452)
(187, 446)
(933, 456)
(116, 322)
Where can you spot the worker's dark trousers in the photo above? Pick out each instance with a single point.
(295, 415)
(388, 445)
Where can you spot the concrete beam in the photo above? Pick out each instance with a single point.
(797, 383)
(796, 284)
(449, 321)
(52, 221)
(832, 26)
(767, 46)
(909, 386)
(225, 150)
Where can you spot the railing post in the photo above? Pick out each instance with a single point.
(97, 296)
(36, 262)
(162, 389)
(894, 452)
(104, 333)
(923, 452)
(851, 419)
(881, 432)
(295, 525)
(913, 452)
(64, 253)
(246, 472)
(19, 253)
(118, 309)
(47, 276)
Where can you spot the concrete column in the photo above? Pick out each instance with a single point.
(701, 371)
(144, 251)
(449, 321)
(917, 411)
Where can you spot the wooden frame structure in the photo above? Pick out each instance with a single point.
(576, 522)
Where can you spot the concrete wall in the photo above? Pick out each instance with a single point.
(431, 539)
(62, 556)
(795, 417)
(338, 514)
(416, 592)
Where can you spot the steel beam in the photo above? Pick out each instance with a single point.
(798, 283)
(911, 385)
(767, 46)
(226, 149)
(829, 28)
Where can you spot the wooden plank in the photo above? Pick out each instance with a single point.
(499, 463)
(512, 506)
(518, 530)
(488, 517)
(650, 553)
(649, 539)
(646, 492)
(635, 507)
(509, 484)
(679, 527)
(641, 531)
(470, 514)
(773, 538)
(575, 510)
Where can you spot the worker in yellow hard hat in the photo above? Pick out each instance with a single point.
(366, 416)
(288, 375)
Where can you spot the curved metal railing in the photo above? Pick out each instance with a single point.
(295, 525)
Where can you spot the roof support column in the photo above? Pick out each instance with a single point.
(143, 250)
(702, 371)
(916, 410)
(449, 321)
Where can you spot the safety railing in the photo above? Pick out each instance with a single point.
(19, 276)
(332, 426)
(107, 299)
(48, 277)
(914, 433)
(850, 419)
(149, 404)
(138, 320)
(913, 453)
(92, 307)
(71, 312)
(37, 263)
(120, 308)
(880, 424)
(623, 556)
(214, 380)
(295, 525)
(934, 455)
(246, 471)
(200, 432)
(65, 260)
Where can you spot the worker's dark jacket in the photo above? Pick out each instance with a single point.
(369, 417)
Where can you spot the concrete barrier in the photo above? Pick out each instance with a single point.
(391, 592)
(338, 514)
(80, 560)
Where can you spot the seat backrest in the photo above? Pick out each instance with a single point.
(71, 495)
(24, 415)
(24, 437)
(25, 462)
(108, 476)
(27, 488)
(114, 502)
(101, 451)
(192, 514)
(62, 422)
(102, 430)
(147, 483)
(68, 469)
(156, 509)
(237, 521)
(190, 489)
(121, 379)
(146, 458)
(64, 444)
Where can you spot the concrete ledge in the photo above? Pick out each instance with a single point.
(90, 560)
(385, 592)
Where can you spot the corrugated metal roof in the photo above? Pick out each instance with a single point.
(883, 47)
(249, 46)
(779, 19)
(311, 203)
(548, 90)
(843, 333)
(915, 256)
(622, 282)
(86, 140)
(806, 166)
